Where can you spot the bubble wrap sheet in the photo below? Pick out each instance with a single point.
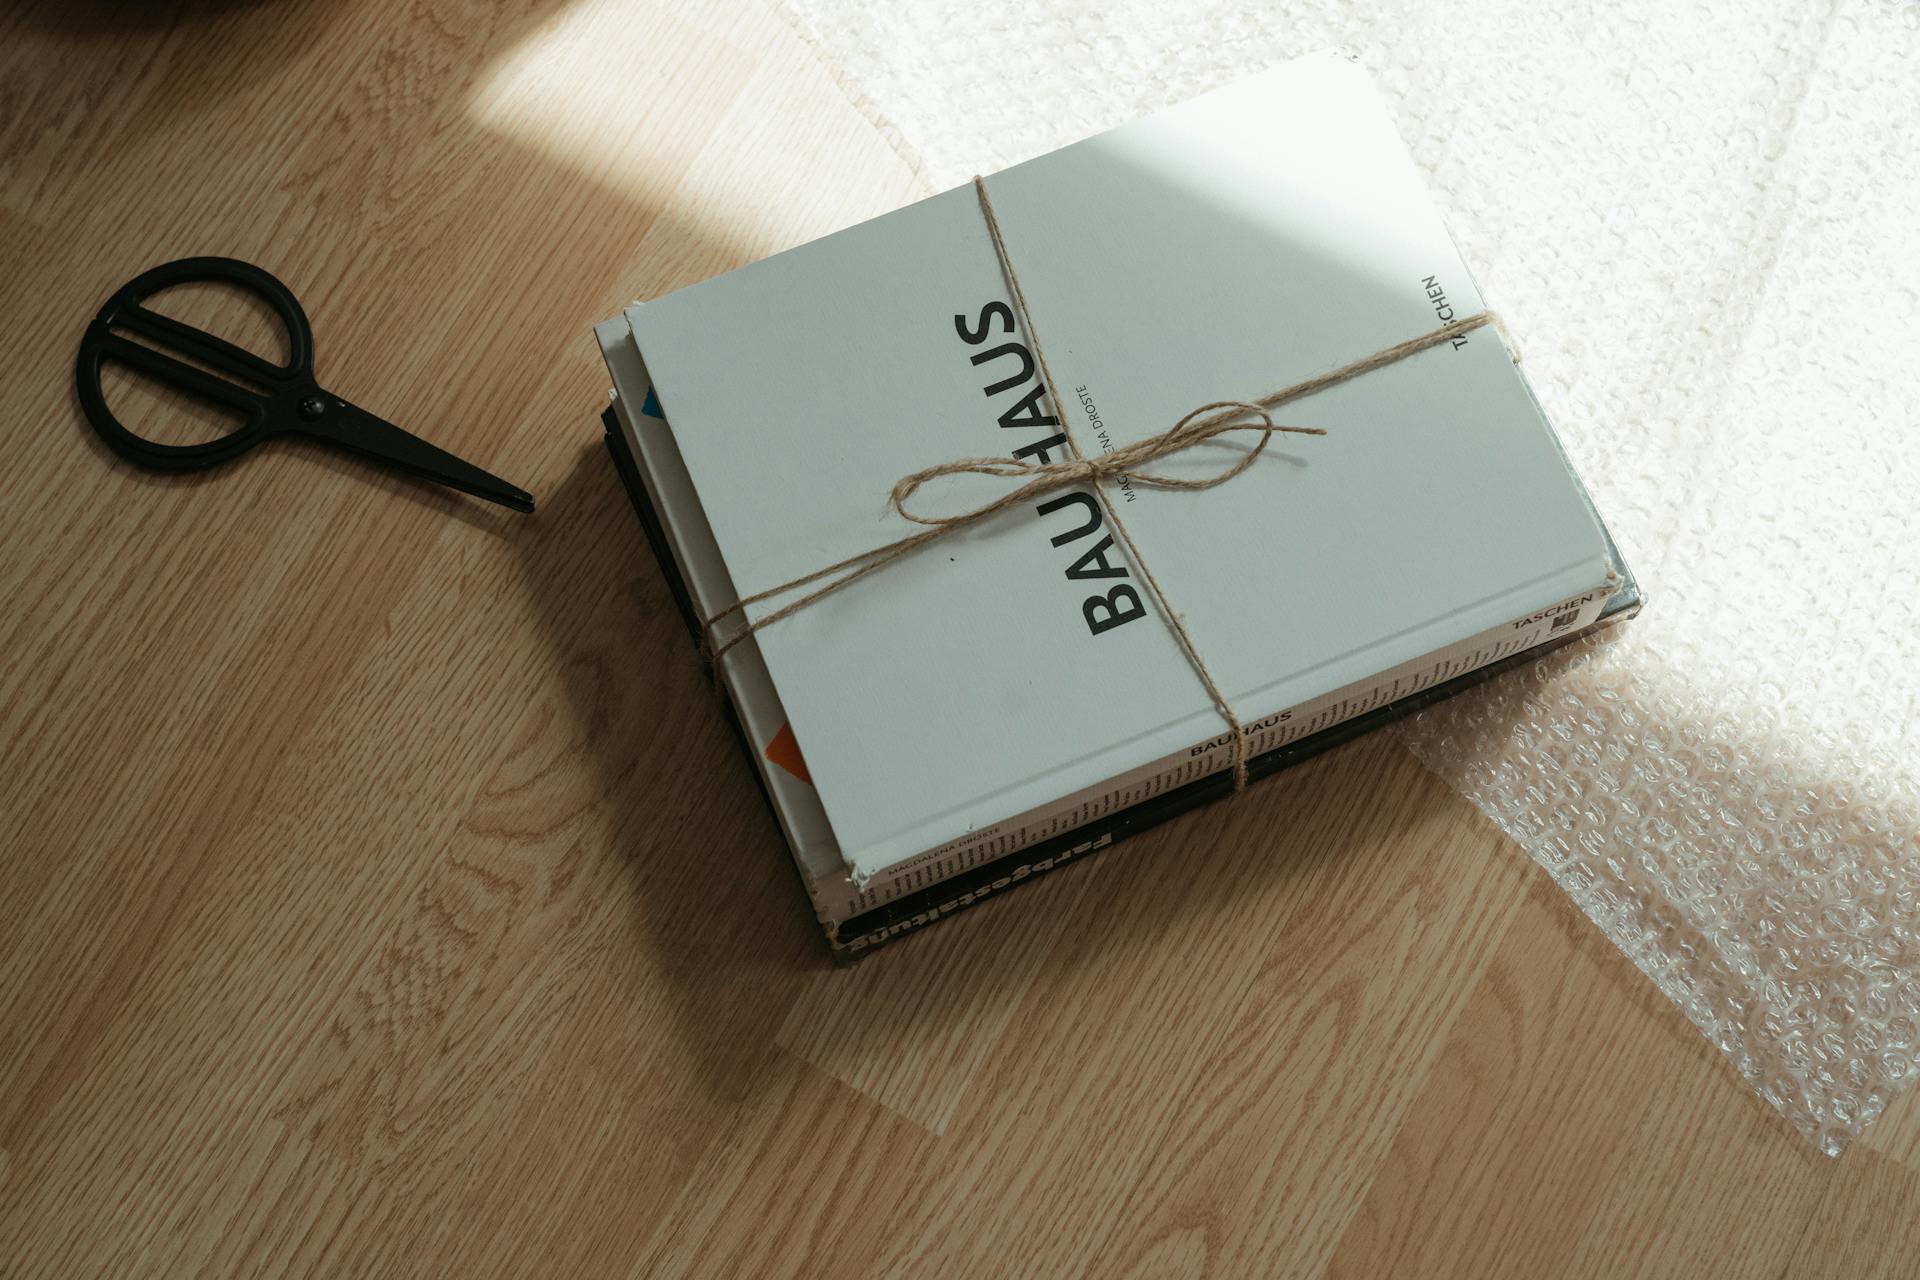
(1699, 220)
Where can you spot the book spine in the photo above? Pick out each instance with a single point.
(1215, 755)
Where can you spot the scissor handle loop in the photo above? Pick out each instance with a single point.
(267, 412)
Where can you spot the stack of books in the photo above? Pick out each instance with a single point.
(1011, 696)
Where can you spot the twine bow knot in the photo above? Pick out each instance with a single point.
(1208, 422)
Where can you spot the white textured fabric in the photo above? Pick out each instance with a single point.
(1699, 221)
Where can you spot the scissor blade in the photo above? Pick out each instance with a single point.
(352, 427)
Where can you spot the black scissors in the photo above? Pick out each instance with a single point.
(276, 399)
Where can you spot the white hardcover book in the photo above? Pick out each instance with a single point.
(856, 917)
(1008, 682)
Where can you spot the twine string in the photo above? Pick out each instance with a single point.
(1206, 423)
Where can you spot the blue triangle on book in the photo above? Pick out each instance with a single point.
(650, 407)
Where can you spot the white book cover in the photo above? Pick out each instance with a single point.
(1247, 240)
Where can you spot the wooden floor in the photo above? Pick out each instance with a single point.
(357, 838)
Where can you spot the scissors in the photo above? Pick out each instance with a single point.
(275, 399)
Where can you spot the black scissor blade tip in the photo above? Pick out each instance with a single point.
(352, 427)
(484, 484)
(518, 499)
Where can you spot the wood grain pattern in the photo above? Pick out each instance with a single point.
(358, 839)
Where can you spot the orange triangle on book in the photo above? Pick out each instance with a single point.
(784, 751)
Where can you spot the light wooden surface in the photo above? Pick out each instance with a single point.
(356, 836)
